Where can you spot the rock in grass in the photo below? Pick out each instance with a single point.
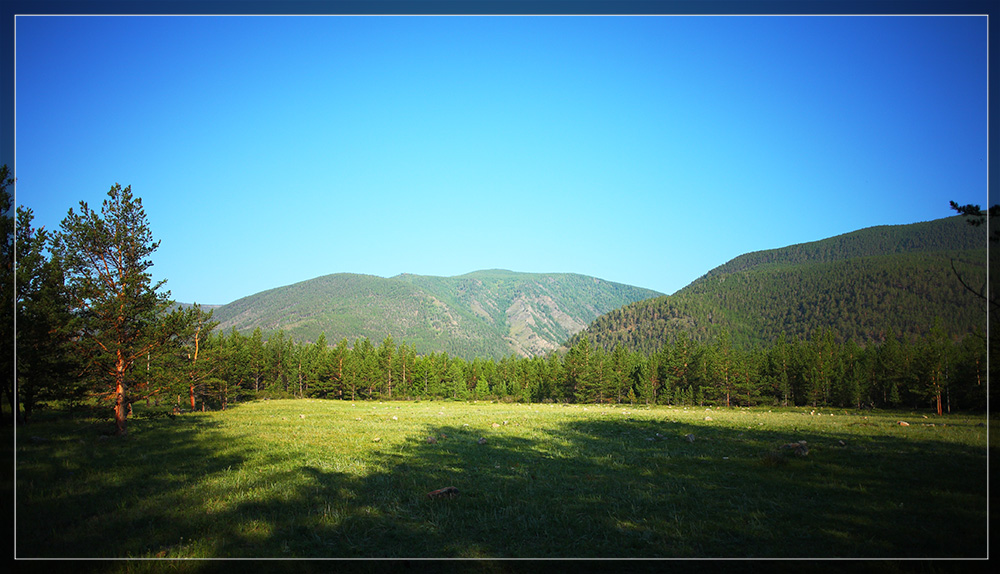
(482, 440)
(799, 448)
(446, 492)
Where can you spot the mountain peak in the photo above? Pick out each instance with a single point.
(492, 313)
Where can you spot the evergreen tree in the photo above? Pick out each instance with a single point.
(554, 375)
(454, 380)
(644, 381)
(385, 366)
(403, 369)
(120, 315)
(320, 365)
(366, 367)
(235, 368)
(256, 359)
(7, 305)
(889, 370)
(935, 354)
(579, 372)
(851, 390)
(969, 388)
(279, 362)
(600, 375)
(44, 360)
(228, 383)
(779, 370)
(746, 372)
(724, 360)
(187, 366)
(350, 367)
(421, 376)
(621, 373)
(338, 376)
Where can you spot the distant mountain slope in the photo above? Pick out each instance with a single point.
(486, 313)
(860, 284)
(947, 234)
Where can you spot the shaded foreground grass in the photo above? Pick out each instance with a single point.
(289, 479)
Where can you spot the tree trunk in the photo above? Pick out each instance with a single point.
(120, 429)
(197, 336)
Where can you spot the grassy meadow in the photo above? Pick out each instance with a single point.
(314, 478)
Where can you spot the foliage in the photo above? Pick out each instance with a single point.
(46, 368)
(7, 296)
(35, 301)
(119, 315)
(818, 371)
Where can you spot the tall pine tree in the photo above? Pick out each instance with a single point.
(121, 315)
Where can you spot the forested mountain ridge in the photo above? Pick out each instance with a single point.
(859, 285)
(947, 234)
(486, 313)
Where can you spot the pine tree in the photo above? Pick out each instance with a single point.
(185, 362)
(256, 360)
(780, 367)
(579, 372)
(644, 381)
(385, 366)
(278, 351)
(45, 363)
(889, 369)
(121, 315)
(725, 364)
(935, 354)
(621, 372)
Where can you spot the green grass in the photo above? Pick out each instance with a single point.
(311, 478)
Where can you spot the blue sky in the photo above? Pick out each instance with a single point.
(641, 150)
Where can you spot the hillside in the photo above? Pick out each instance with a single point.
(486, 313)
(859, 284)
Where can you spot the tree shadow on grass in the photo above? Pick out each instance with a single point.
(584, 488)
(84, 493)
(879, 496)
(613, 488)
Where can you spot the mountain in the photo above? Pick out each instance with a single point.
(486, 313)
(859, 284)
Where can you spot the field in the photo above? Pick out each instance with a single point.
(311, 478)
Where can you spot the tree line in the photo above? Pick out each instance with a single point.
(91, 324)
(935, 371)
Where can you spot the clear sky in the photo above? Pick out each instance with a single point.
(641, 150)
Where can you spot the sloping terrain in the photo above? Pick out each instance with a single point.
(485, 314)
(859, 284)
